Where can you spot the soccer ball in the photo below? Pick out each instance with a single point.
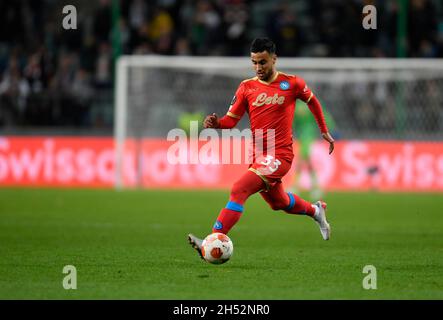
(217, 248)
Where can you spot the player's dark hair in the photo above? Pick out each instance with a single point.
(262, 44)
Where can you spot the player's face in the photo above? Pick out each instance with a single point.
(263, 64)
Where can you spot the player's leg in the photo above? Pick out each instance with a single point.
(278, 199)
(247, 185)
(291, 203)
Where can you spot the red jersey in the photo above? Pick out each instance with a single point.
(271, 106)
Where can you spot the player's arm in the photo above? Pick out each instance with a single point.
(226, 122)
(305, 94)
(234, 114)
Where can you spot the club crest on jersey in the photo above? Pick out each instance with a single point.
(263, 99)
(284, 85)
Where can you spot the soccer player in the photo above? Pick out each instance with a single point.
(269, 99)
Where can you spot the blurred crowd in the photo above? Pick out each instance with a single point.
(55, 77)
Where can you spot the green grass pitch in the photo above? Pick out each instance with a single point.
(132, 245)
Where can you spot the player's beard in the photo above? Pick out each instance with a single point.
(265, 76)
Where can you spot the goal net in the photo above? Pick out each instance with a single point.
(377, 99)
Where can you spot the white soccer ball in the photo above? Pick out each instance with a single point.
(217, 248)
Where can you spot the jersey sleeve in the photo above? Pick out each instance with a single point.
(303, 92)
(239, 103)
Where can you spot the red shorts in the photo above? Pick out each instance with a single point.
(270, 169)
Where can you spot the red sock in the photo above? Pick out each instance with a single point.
(248, 184)
(299, 206)
(226, 220)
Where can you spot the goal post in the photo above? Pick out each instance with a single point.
(382, 99)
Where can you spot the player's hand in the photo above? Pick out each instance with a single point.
(329, 139)
(211, 121)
